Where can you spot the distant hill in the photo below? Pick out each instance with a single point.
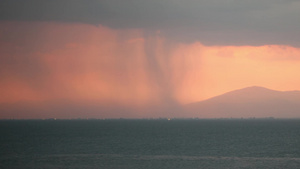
(248, 102)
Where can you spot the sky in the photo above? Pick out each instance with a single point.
(140, 59)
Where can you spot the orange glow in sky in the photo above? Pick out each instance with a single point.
(97, 64)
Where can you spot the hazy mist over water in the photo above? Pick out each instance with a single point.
(137, 63)
(152, 144)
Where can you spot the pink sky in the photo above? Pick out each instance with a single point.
(45, 63)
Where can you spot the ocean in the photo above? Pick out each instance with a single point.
(150, 144)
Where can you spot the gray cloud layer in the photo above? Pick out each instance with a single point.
(213, 22)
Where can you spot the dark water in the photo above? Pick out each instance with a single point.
(150, 144)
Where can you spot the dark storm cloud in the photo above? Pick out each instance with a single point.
(213, 22)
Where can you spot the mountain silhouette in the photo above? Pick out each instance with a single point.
(248, 102)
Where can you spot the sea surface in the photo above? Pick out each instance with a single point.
(150, 144)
